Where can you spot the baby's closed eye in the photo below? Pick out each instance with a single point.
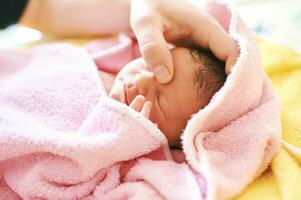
(161, 107)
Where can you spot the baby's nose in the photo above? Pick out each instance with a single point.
(146, 83)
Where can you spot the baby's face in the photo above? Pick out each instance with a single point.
(172, 103)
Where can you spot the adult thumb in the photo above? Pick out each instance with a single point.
(155, 51)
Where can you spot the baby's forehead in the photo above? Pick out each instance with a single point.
(185, 71)
(178, 51)
(186, 60)
(199, 68)
(183, 54)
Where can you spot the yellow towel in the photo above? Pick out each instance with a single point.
(283, 179)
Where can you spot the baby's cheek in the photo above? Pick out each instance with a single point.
(171, 130)
(154, 116)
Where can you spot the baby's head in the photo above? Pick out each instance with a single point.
(197, 76)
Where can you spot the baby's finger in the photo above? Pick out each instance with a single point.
(117, 91)
(146, 109)
(138, 103)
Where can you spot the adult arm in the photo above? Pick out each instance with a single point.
(77, 18)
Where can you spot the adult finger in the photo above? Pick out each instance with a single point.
(210, 34)
(231, 60)
(153, 46)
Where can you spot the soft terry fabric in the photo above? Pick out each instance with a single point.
(283, 179)
(240, 128)
(63, 138)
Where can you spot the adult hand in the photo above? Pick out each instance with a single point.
(156, 22)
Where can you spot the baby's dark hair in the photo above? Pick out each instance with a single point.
(210, 76)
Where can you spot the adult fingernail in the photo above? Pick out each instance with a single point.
(162, 74)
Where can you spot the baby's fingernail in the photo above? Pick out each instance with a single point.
(162, 74)
(115, 96)
(148, 104)
(140, 96)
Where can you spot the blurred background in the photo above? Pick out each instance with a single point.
(275, 20)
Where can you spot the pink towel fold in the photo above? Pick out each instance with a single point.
(61, 137)
(236, 136)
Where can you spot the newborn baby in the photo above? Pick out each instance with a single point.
(197, 76)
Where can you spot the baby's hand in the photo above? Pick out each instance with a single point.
(117, 91)
(139, 104)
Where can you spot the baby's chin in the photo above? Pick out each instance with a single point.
(171, 134)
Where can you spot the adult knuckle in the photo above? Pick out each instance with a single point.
(143, 20)
(149, 46)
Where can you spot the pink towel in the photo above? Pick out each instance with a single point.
(61, 137)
